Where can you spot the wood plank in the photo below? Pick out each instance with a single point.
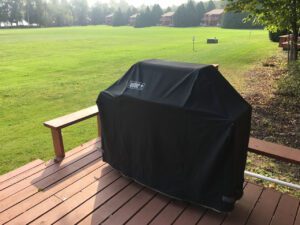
(169, 214)
(72, 118)
(58, 144)
(84, 177)
(273, 150)
(130, 208)
(286, 211)
(297, 220)
(149, 211)
(265, 207)
(245, 206)
(41, 167)
(20, 170)
(104, 211)
(191, 215)
(46, 179)
(42, 207)
(214, 218)
(49, 170)
(30, 215)
(211, 218)
(111, 180)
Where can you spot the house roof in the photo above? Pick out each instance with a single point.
(215, 12)
(168, 14)
(134, 15)
(110, 15)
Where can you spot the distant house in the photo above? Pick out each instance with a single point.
(21, 23)
(132, 19)
(213, 17)
(5, 24)
(167, 19)
(109, 19)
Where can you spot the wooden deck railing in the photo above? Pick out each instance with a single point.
(255, 145)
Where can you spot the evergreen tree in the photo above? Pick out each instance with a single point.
(191, 18)
(200, 8)
(210, 6)
(156, 14)
(15, 11)
(96, 14)
(4, 10)
(180, 16)
(169, 9)
(187, 15)
(119, 18)
(144, 19)
(80, 12)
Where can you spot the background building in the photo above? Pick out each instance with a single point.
(213, 17)
(167, 19)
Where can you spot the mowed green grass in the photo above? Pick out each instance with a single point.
(46, 73)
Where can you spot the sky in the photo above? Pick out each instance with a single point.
(136, 3)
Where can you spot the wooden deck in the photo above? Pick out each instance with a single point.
(83, 189)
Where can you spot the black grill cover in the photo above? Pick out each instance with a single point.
(178, 128)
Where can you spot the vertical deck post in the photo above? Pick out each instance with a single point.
(58, 144)
(99, 125)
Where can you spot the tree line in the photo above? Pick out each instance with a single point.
(47, 13)
(191, 13)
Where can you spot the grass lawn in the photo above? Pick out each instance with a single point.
(45, 73)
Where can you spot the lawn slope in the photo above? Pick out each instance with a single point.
(45, 73)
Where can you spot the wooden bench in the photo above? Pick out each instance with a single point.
(57, 124)
(257, 146)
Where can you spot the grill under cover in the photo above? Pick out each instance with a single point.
(178, 128)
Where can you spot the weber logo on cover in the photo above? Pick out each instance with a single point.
(136, 85)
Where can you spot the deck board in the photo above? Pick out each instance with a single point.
(150, 210)
(103, 212)
(83, 189)
(132, 206)
(265, 208)
(245, 206)
(20, 170)
(46, 170)
(286, 211)
(54, 174)
(83, 177)
(170, 213)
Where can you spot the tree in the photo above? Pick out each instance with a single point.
(169, 9)
(233, 20)
(149, 17)
(274, 15)
(96, 14)
(210, 6)
(119, 18)
(15, 11)
(80, 12)
(156, 14)
(192, 19)
(186, 15)
(200, 8)
(4, 12)
(34, 11)
(180, 16)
